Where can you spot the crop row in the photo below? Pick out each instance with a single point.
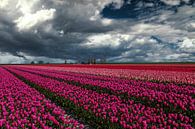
(105, 80)
(170, 96)
(159, 67)
(24, 107)
(127, 114)
(158, 76)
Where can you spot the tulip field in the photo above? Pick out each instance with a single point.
(109, 96)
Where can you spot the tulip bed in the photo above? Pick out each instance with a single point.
(171, 95)
(161, 67)
(182, 76)
(106, 102)
(24, 107)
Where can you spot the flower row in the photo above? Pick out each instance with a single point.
(156, 93)
(24, 107)
(157, 75)
(127, 113)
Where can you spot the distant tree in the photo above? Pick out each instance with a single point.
(89, 61)
(82, 62)
(94, 61)
(40, 62)
(104, 60)
(32, 62)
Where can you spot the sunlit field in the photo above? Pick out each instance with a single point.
(110, 96)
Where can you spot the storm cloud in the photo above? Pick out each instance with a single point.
(119, 30)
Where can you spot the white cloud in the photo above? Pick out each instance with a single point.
(171, 2)
(9, 58)
(176, 56)
(174, 2)
(95, 16)
(138, 42)
(144, 40)
(42, 58)
(3, 3)
(25, 13)
(193, 24)
(85, 10)
(26, 6)
(166, 32)
(61, 33)
(190, 25)
(112, 40)
(149, 4)
(187, 45)
(29, 20)
(173, 26)
(106, 21)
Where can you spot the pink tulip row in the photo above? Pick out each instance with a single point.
(24, 107)
(127, 113)
(161, 76)
(94, 79)
(78, 74)
(169, 94)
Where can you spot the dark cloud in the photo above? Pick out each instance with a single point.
(76, 30)
(138, 9)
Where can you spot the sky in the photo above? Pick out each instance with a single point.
(118, 30)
